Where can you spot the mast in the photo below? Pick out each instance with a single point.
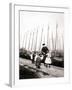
(62, 42)
(23, 41)
(41, 39)
(36, 40)
(52, 42)
(48, 36)
(44, 39)
(32, 40)
(56, 37)
(26, 40)
(59, 43)
(29, 41)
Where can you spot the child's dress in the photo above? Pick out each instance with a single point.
(48, 59)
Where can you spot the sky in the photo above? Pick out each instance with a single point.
(31, 26)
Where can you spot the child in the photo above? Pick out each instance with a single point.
(38, 61)
(48, 60)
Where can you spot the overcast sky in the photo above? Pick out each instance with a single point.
(30, 22)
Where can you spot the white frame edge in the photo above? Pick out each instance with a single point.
(12, 62)
(11, 46)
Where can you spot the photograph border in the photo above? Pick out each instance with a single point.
(14, 47)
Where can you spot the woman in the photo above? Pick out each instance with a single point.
(44, 52)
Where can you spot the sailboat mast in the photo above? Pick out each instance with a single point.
(23, 41)
(36, 40)
(48, 36)
(29, 41)
(32, 40)
(52, 42)
(26, 41)
(56, 37)
(41, 39)
(63, 42)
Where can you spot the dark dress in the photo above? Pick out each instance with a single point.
(45, 50)
(38, 62)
